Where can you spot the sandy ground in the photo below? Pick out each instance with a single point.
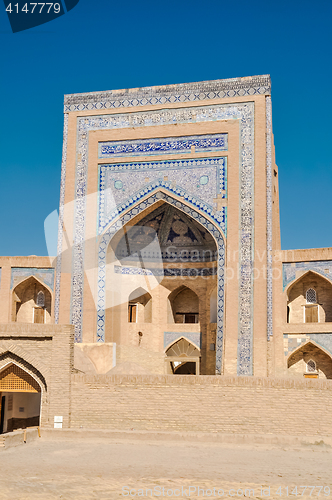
(105, 469)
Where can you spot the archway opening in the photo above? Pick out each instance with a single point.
(309, 300)
(183, 358)
(171, 259)
(20, 399)
(32, 302)
(310, 361)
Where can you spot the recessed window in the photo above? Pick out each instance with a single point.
(311, 296)
(311, 366)
(187, 317)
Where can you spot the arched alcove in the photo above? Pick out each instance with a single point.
(32, 302)
(309, 299)
(140, 306)
(184, 306)
(183, 358)
(20, 398)
(308, 354)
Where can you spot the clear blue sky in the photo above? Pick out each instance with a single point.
(103, 45)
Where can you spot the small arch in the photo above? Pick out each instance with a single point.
(182, 347)
(183, 306)
(310, 352)
(183, 357)
(302, 299)
(20, 398)
(26, 297)
(140, 306)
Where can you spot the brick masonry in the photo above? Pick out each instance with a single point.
(209, 404)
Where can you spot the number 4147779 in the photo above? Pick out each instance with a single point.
(32, 7)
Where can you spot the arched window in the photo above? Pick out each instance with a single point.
(140, 306)
(311, 366)
(40, 302)
(311, 296)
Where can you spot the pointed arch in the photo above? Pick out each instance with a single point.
(140, 306)
(183, 305)
(24, 301)
(200, 215)
(309, 299)
(27, 363)
(182, 337)
(310, 350)
(305, 273)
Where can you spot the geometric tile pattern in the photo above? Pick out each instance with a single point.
(170, 337)
(187, 92)
(199, 182)
(175, 145)
(292, 342)
(60, 223)
(120, 222)
(46, 276)
(178, 272)
(291, 270)
(196, 92)
(269, 215)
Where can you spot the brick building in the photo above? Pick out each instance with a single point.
(169, 261)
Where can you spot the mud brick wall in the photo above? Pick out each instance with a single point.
(207, 403)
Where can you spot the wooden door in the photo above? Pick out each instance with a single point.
(311, 314)
(39, 315)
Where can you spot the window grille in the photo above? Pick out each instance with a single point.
(14, 379)
(311, 296)
(40, 302)
(311, 366)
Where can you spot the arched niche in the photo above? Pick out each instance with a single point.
(183, 358)
(301, 296)
(299, 360)
(183, 306)
(31, 302)
(140, 306)
(20, 398)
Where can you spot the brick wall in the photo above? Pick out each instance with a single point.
(207, 404)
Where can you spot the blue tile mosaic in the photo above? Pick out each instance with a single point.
(290, 270)
(244, 112)
(171, 337)
(46, 276)
(185, 92)
(168, 272)
(292, 342)
(198, 182)
(169, 145)
(118, 224)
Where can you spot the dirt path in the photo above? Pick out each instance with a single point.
(103, 469)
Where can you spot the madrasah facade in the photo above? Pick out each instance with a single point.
(169, 259)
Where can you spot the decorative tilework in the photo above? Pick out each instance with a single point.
(171, 337)
(183, 179)
(200, 218)
(18, 274)
(290, 270)
(175, 145)
(187, 92)
(61, 214)
(172, 271)
(292, 342)
(244, 112)
(269, 216)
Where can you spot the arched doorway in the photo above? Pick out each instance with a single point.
(20, 399)
(181, 256)
(200, 230)
(183, 358)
